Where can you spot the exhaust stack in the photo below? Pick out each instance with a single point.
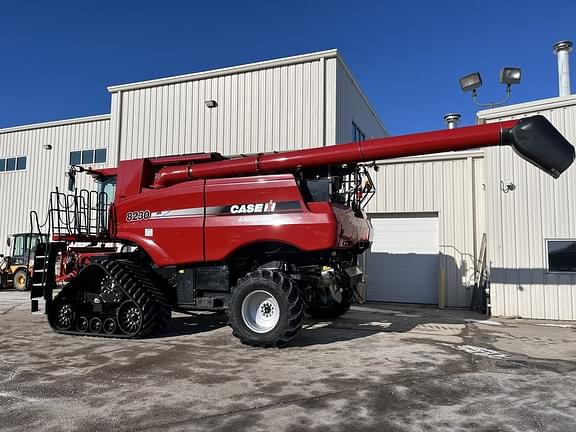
(452, 120)
(562, 50)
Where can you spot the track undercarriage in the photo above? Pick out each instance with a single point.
(114, 298)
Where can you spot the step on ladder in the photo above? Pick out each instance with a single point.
(42, 281)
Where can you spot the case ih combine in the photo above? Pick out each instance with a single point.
(267, 237)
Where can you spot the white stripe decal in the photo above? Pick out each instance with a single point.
(180, 213)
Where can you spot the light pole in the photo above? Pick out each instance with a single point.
(473, 81)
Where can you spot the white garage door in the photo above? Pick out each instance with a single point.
(402, 265)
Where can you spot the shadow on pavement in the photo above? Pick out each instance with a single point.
(192, 324)
(360, 322)
(363, 322)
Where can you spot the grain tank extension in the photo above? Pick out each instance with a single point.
(267, 238)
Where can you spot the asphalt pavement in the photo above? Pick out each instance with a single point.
(378, 368)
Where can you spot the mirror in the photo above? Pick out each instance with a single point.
(71, 179)
(8, 242)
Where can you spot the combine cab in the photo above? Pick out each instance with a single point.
(267, 238)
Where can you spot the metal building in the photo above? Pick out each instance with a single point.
(429, 213)
(428, 216)
(34, 158)
(298, 102)
(531, 223)
(310, 101)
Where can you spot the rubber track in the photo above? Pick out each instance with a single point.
(137, 284)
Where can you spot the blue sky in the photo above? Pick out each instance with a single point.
(58, 57)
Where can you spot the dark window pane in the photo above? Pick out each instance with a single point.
(19, 246)
(2, 164)
(75, 158)
(87, 156)
(10, 164)
(562, 255)
(357, 134)
(100, 155)
(21, 163)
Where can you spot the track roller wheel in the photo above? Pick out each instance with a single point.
(109, 326)
(129, 317)
(265, 309)
(95, 325)
(82, 324)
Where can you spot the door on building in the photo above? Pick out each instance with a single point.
(402, 265)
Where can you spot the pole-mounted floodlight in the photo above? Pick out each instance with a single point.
(473, 81)
(509, 76)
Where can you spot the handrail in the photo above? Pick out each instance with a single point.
(82, 214)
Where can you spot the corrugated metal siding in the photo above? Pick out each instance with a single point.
(352, 106)
(276, 108)
(449, 187)
(519, 222)
(23, 191)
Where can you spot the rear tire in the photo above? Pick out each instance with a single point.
(332, 309)
(20, 279)
(265, 309)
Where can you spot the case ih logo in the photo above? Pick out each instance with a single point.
(268, 207)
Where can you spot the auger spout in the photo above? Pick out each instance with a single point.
(534, 139)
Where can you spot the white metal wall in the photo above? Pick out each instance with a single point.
(450, 185)
(353, 106)
(272, 107)
(519, 221)
(27, 190)
(297, 102)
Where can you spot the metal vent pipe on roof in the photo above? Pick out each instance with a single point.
(562, 50)
(452, 120)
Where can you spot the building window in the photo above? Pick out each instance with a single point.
(90, 156)
(561, 255)
(21, 163)
(13, 164)
(75, 158)
(100, 155)
(357, 134)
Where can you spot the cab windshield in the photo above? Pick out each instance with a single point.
(106, 192)
(107, 189)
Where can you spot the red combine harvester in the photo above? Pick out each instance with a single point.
(267, 237)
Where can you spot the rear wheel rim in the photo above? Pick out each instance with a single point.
(260, 311)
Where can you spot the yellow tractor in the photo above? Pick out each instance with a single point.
(15, 268)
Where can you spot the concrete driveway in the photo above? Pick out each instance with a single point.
(379, 368)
